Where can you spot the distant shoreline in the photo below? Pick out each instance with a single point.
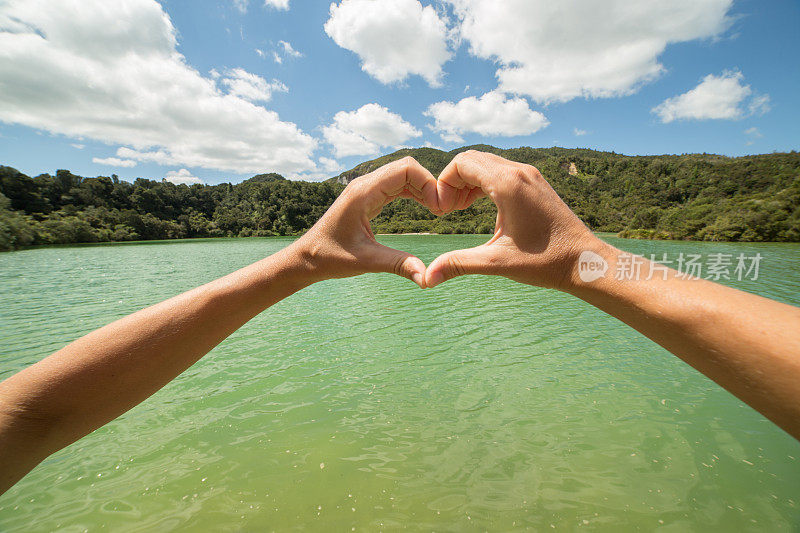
(419, 233)
(199, 239)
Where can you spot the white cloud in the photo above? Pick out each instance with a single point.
(330, 166)
(366, 130)
(159, 157)
(393, 38)
(285, 49)
(250, 86)
(241, 5)
(326, 168)
(182, 176)
(289, 50)
(110, 71)
(277, 4)
(579, 132)
(759, 104)
(78, 146)
(752, 134)
(555, 51)
(716, 97)
(493, 114)
(114, 162)
(452, 138)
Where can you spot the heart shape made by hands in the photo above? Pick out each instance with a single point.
(536, 235)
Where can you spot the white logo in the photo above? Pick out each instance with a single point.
(591, 266)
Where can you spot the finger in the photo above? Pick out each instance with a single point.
(408, 174)
(405, 193)
(411, 192)
(467, 197)
(380, 258)
(479, 260)
(421, 183)
(468, 171)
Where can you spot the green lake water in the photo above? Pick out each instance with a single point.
(367, 404)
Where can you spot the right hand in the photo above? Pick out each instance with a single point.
(537, 238)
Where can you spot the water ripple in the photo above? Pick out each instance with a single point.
(366, 403)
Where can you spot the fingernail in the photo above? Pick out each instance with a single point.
(436, 278)
(418, 279)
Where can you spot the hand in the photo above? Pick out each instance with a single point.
(537, 238)
(341, 243)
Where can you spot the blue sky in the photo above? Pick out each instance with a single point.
(193, 90)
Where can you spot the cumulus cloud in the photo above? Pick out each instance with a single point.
(716, 97)
(557, 51)
(110, 71)
(394, 38)
(493, 114)
(331, 166)
(114, 162)
(251, 87)
(182, 176)
(366, 130)
(579, 132)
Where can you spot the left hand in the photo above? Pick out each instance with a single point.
(341, 243)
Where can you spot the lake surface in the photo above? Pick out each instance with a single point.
(367, 403)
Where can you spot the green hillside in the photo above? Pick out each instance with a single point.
(692, 196)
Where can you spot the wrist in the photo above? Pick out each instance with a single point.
(591, 266)
(304, 262)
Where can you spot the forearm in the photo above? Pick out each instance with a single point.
(103, 374)
(747, 344)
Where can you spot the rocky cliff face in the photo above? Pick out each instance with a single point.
(573, 170)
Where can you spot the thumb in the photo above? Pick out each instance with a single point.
(381, 258)
(478, 260)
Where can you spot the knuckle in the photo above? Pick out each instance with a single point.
(357, 185)
(398, 264)
(512, 179)
(406, 162)
(517, 178)
(456, 266)
(465, 156)
(532, 172)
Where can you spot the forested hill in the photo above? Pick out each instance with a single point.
(695, 196)
(692, 196)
